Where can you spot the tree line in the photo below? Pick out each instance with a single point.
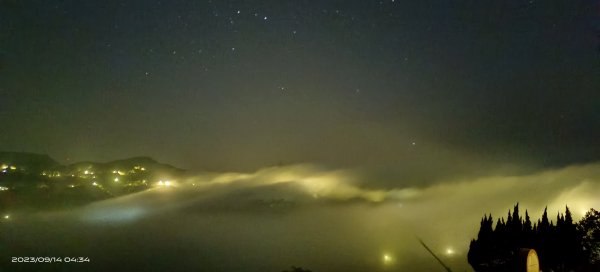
(561, 245)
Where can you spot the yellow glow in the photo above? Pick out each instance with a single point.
(387, 259)
(121, 173)
(95, 184)
(143, 169)
(7, 216)
(71, 186)
(4, 166)
(116, 179)
(86, 172)
(115, 171)
(2, 188)
(12, 167)
(166, 183)
(449, 251)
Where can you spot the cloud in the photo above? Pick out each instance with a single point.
(307, 215)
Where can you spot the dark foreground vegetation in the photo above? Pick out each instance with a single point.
(563, 245)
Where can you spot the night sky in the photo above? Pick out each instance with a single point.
(439, 111)
(224, 85)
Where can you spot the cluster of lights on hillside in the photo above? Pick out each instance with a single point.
(124, 177)
(6, 168)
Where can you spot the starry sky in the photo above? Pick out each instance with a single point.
(454, 86)
(366, 123)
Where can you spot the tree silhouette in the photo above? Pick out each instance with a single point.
(564, 246)
(589, 229)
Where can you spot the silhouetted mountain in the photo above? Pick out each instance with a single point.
(30, 162)
(34, 180)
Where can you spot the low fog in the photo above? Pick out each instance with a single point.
(311, 216)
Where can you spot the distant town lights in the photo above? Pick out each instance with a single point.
(166, 183)
(2, 188)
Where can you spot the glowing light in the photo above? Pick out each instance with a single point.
(12, 167)
(95, 184)
(116, 179)
(121, 173)
(4, 171)
(143, 169)
(2, 188)
(165, 183)
(72, 186)
(7, 216)
(86, 172)
(387, 259)
(4, 166)
(449, 251)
